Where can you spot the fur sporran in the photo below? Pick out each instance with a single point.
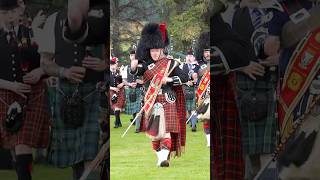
(73, 111)
(132, 96)
(14, 117)
(254, 105)
(156, 125)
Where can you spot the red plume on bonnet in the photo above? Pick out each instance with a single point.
(163, 29)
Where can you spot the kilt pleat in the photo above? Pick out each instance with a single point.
(35, 127)
(133, 107)
(190, 102)
(70, 146)
(227, 157)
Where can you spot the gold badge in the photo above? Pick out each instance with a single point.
(295, 81)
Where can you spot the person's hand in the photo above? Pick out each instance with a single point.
(271, 60)
(139, 81)
(190, 83)
(33, 77)
(165, 80)
(94, 63)
(75, 74)
(114, 89)
(134, 84)
(20, 88)
(253, 69)
(120, 85)
(38, 20)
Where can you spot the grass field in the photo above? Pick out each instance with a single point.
(133, 158)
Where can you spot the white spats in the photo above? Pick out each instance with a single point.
(208, 140)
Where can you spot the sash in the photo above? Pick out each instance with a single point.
(203, 85)
(303, 68)
(154, 88)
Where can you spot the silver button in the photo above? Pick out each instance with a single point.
(14, 75)
(13, 55)
(13, 62)
(75, 45)
(13, 69)
(75, 52)
(75, 60)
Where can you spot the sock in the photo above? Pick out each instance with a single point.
(24, 166)
(118, 121)
(165, 143)
(156, 145)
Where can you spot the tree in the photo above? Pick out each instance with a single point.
(127, 18)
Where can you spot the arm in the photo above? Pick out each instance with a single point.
(50, 67)
(4, 84)
(137, 68)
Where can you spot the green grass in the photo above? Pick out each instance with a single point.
(41, 172)
(132, 157)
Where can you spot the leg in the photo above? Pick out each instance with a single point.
(206, 129)
(23, 162)
(194, 123)
(117, 116)
(255, 163)
(77, 170)
(165, 146)
(156, 148)
(138, 121)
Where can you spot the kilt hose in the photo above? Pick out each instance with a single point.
(258, 137)
(70, 146)
(120, 101)
(35, 126)
(228, 163)
(135, 106)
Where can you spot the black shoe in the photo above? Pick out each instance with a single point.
(116, 126)
(120, 125)
(137, 131)
(194, 129)
(164, 163)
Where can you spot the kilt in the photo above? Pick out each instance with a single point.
(70, 146)
(226, 131)
(170, 115)
(258, 137)
(121, 99)
(190, 102)
(35, 128)
(133, 107)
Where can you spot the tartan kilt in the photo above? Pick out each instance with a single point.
(35, 128)
(190, 102)
(121, 99)
(133, 107)
(70, 146)
(170, 115)
(175, 118)
(258, 137)
(226, 131)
